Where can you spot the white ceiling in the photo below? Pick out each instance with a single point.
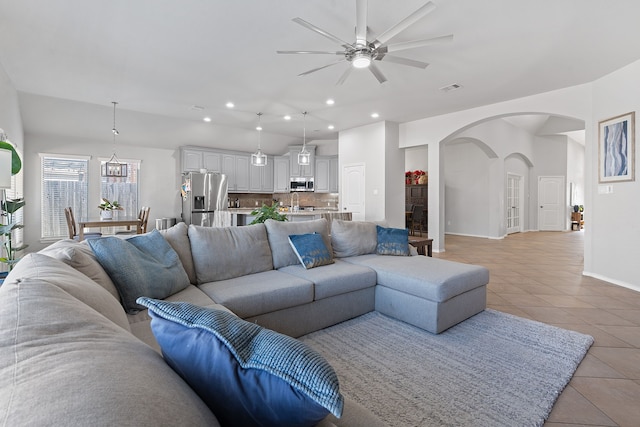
(70, 58)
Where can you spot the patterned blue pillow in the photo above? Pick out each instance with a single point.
(246, 374)
(144, 265)
(310, 249)
(392, 241)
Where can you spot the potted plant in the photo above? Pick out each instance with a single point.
(267, 212)
(107, 207)
(8, 209)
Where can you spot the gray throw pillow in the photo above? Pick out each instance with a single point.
(353, 238)
(143, 265)
(279, 232)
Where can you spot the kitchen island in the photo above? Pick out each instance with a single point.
(242, 216)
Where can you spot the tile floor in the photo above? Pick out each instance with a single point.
(538, 275)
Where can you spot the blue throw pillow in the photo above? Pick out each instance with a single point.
(246, 374)
(144, 265)
(392, 241)
(310, 249)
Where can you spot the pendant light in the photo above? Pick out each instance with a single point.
(114, 168)
(304, 157)
(259, 158)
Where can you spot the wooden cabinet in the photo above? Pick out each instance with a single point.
(326, 174)
(261, 177)
(577, 220)
(416, 195)
(297, 170)
(281, 174)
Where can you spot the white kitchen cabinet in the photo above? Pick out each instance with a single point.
(191, 160)
(334, 184)
(326, 178)
(236, 167)
(212, 161)
(261, 177)
(281, 174)
(297, 170)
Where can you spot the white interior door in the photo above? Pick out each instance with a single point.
(551, 212)
(515, 189)
(353, 188)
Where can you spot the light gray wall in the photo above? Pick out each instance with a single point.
(612, 250)
(159, 177)
(467, 189)
(416, 158)
(575, 170)
(10, 120)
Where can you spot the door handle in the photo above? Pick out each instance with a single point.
(540, 207)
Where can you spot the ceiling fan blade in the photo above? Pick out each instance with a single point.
(321, 32)
(418, 43)
(376, 72)
(344, 75)
(404, 61)
(320, 68)
(404, 24)
(309, 52)
(361, 22)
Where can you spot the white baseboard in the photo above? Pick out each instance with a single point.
(474, 235)
(612, 281)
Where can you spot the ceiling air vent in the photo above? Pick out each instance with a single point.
(451, 87)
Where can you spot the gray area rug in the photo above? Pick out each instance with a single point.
(493, 369)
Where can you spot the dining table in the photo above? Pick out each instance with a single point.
(97, 222)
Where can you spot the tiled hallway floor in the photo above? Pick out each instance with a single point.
(538, 275)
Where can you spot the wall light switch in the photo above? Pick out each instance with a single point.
(605, 189)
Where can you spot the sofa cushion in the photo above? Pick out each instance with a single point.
(335, 279)
(260, 293)
(352, 238)
(140, 323)
(178, 238)
(310, 250)
(279, 232)
(71, 281)
(62, 363)
(248, 375)
(430, 278)
(143, 265)
(392, 241)
(81, 257)
(228, 252)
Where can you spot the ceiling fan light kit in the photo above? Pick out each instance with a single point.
(363, 52)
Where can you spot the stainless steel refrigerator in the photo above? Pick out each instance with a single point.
(202, 195)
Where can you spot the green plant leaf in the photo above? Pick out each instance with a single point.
(16, 163)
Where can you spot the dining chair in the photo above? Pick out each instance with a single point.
(71, 225)
(416, 219)
(143, 216)
(408, 209)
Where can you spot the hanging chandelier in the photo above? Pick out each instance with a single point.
(113, 167)
(304, 156)
(259, 158)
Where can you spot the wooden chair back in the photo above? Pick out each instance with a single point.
(144, 217)
(71, 222)
(416, 218)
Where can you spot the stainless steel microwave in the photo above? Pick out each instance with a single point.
(301, 184)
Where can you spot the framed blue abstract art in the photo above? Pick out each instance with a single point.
(616, 145)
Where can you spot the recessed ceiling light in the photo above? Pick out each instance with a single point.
(330, 127)
(287, 117)
(375, 115)
(330, 101)
(258, 127)
(207, 119)
(230, 104)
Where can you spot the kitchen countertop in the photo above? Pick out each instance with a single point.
(247, 211)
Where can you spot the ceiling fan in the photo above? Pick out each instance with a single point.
(364, 51)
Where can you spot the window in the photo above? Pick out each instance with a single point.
(64, 184)
(124, 190)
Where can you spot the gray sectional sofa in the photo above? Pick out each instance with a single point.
(70, 355)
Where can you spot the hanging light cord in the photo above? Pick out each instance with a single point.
(259, 130)
(304, 130)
